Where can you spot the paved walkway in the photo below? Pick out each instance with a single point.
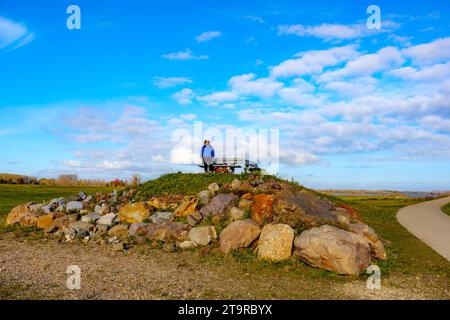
(428, 223)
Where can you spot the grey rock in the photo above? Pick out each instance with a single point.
(219, 205)
(74, 206)
(160, 217)
(202, 235)
(137, 228)
(82, 195)
(204, 197)
(108, 219)
(47, 209)
(194, 218)
(90, 217)
(82, 228)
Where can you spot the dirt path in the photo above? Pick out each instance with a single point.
(428, 223)
(36, 269)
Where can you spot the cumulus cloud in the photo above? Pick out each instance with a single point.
(247, 84)
(186, 54)
(436, 72)
(367, 64)
(207, 36)
(314, 61)
(184, 97)
(216, 98)
(428, 53)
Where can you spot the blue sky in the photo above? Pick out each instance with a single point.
(355, 108)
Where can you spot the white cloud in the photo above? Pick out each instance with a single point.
(216, 98)
(184, 97)
(169, 82)
(366, 65)
(114, 165)
(330, 32)
(314, 61)
(186, 54)
(206, 36)
(13, 35)
(247, 84)
(427, 53)
(432, 73)
(295, 157)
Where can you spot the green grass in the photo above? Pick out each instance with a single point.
(446, 208)
(183, 183)
(406, 253)
(12, 195)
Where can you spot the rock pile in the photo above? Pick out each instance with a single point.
(275, 219)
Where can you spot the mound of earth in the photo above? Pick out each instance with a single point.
(277, 219)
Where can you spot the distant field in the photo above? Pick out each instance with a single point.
(446, 208)
(12, 195)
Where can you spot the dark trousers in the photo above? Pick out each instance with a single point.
(208, 168)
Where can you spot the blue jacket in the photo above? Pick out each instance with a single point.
(207, 151)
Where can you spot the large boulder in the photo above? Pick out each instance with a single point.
(219, 205)
(262, 208)
(168, 231)
(333, 249)
(134, 212)
(376, 245)
(187, 207)
(275, 242)
(301, 208)
(23, 215)
(239, 234)
(202, 235)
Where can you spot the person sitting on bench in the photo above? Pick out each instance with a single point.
(207, 154)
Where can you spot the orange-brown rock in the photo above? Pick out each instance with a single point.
(164, 203)
(16, 213)
(45, 221)
(262, 208)
(134, 212)
(187, 207)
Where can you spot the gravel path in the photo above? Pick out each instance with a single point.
(428, 223)
(36, 269)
